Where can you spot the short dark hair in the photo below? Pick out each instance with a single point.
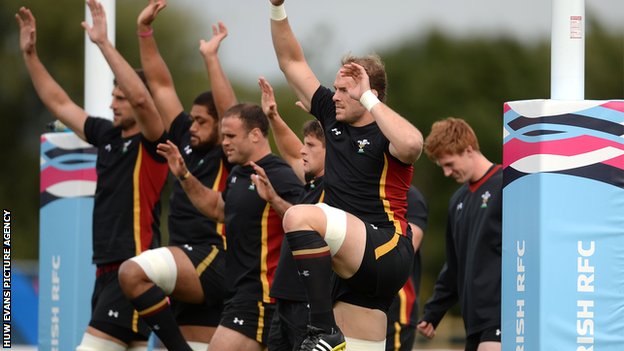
(376, 71)
(251, 115)
(313, 127)
(206, 99)
(141, 75)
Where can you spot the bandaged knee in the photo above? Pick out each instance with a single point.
(160, 267)
(336, 229)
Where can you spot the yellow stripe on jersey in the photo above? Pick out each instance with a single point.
(384, 200)
(207, 261)
(402, 306)
(136, 201)
(260, 322)
(387, 247)
(322, 197)
(215, 186)
(264, 244)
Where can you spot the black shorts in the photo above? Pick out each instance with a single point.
(111, 312)
(400, 337)
(209, 262)
(289, 325)
(488, 334)
(250, 318)
(387, 262)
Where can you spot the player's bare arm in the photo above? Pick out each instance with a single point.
(292, 60)
(50, 92)
(129, 82)
(288, 144)
(267, 192)
(206, 200)
(406, 141)
(156, 71)
(222, 91)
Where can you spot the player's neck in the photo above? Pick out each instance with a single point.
(481, 167)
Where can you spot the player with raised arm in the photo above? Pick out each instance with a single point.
(254, 231)
(361, 232)
(130, 178)
(191, 269)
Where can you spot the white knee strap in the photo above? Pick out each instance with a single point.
(364, 345)
(160, 267)
(93, 343)
(198, 346)
(336, 228)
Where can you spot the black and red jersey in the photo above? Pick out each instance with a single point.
(361, 176)
(131, 176)
(209, 165)
(254, 229)
(404, 308)
(472, 273)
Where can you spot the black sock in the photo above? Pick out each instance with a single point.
(155, 310)
(313, 261)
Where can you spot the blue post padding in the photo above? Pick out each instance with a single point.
(563, 226)
(66, 275)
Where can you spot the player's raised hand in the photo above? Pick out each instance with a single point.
(98, 31)
(269, 106)
(28, 30)
(360, 79)
(211, 47)
(150, 12)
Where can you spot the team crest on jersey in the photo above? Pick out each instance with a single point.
(484, 199)
(125, 147)
(233, 180)
(361, 144)
(188, 149)
(108, 147)
(252, 187)
(459, 207)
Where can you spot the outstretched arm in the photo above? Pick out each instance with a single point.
(128, 81)
(406, 141)
(206, 200)
(222, 91)
(50, 92)
(156, 70)
(286, 140)
(290, 56)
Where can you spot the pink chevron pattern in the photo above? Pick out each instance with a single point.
(67, 167)
(588, 143)
(516, 149)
